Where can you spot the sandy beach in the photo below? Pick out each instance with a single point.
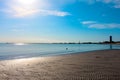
(93, 65)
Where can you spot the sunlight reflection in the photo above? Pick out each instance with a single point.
(34, 59)
(19, 44)
(26, 61)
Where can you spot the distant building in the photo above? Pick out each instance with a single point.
(111, 39)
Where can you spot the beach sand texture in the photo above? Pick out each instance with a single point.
(94, 65)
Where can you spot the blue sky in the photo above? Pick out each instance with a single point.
(59, 20)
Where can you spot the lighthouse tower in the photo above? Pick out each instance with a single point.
(111, 39)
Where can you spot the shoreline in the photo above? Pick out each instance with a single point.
(90, 65)
(73, 53)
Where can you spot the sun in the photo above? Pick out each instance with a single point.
(27, 2)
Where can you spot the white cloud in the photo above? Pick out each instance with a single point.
(17, 30)
(117, 6)
(104, 25)
(93, 24)
(88, 22)
(20, 27)
(88, 1)
(116, 3)
(26, 8)
(53, 12)
(22, 12)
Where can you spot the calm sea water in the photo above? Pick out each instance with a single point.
(16, 51)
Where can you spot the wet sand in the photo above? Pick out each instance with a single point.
(94, 65)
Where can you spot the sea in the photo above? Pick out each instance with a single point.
(21, 50)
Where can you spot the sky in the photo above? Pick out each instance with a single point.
(35, 21)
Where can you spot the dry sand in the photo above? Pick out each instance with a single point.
(94, 65)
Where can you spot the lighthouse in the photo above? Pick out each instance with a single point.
(111, 39)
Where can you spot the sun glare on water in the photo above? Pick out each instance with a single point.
(19, 44)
